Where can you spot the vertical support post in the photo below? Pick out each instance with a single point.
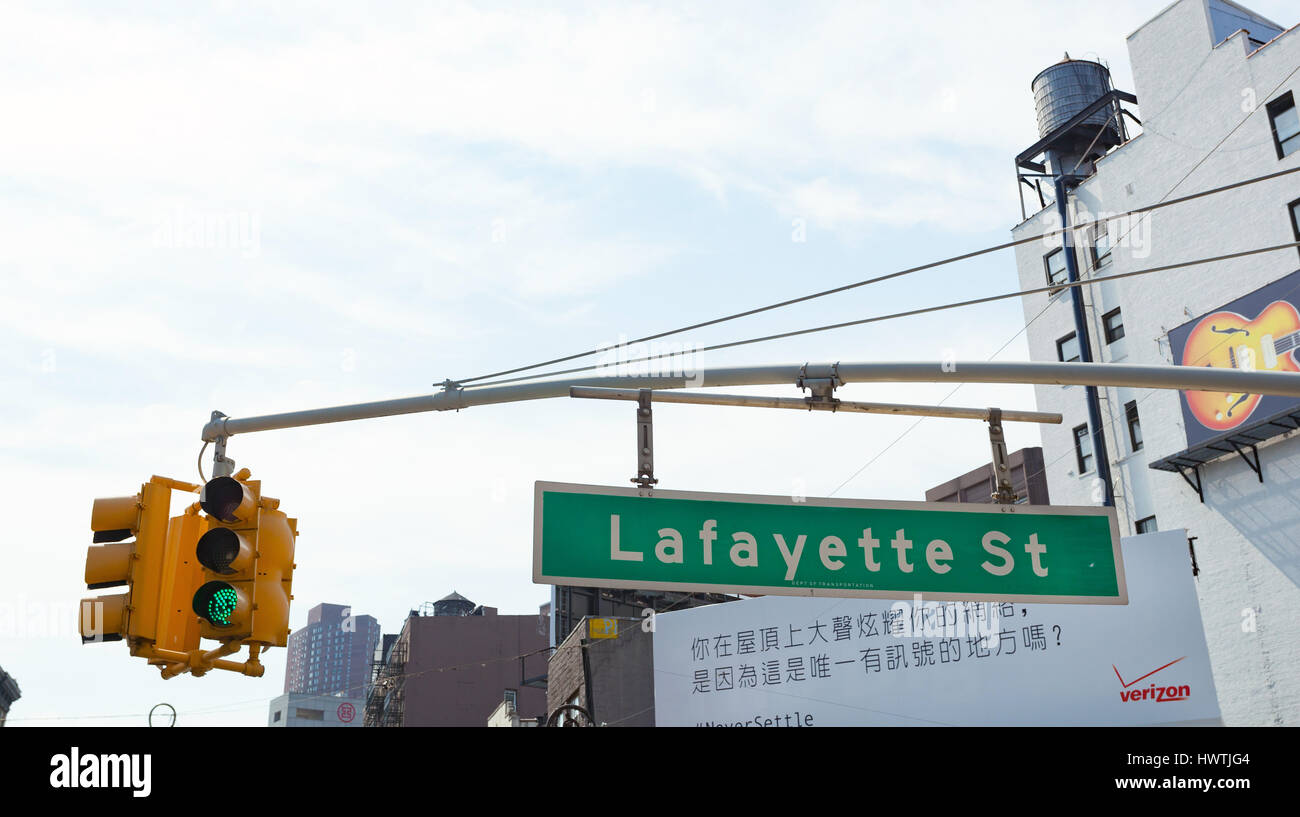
(1020, 192)
(1004, 493)
(222, 466)
(586, 678)
(1085, 343)
(645, 443)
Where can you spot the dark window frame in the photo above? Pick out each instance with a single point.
(1082, 458)
(1060, 351)
(1134, 423)
(1112, 335)
(1099, 261)
(1293, 209)
(1047, 271)
(1139, 525)
(1278, 106)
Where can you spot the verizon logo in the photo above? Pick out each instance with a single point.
(1153, 691)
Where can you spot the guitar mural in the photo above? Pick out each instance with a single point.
(1258, 332)
(1226, 340)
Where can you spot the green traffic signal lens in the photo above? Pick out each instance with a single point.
(216, 603)
(221, 605)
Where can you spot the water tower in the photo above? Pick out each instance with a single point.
(1080, 119)
(453, 604)
(1061, 94)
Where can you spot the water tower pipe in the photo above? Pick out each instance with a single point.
(1085, 342)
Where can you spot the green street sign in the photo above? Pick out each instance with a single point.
(598, 536)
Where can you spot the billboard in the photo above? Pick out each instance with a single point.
(780, 661)
(1256, 332)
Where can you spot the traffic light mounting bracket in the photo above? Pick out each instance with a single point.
(222, 466)
(198, 662)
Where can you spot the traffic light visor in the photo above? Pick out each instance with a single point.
(108, 565)
(114, 518)
(228, 500)
(221, 550)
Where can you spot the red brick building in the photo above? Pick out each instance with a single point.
(453, 667)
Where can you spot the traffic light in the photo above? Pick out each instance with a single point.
(246, 556)
(138, 564)
(227, 554)
(223, 570)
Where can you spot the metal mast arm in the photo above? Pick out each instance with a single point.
(453, 397)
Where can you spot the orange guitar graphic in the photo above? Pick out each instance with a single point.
(1227, 340)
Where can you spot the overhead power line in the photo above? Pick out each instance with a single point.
(909, 313)
(1164, 200)
(888, 276)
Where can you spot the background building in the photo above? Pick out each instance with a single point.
(612, 677)
(570, 605)
(1217, 87)
(507, 714)
(9, 692)
(332, 654)
(295, 709)
(1027, 476)
(452, 664)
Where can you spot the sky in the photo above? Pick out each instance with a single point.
(256, 208)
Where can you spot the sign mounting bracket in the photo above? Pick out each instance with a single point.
(1004, 493)
(645, 442)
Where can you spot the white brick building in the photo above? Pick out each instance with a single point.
(1200, 67)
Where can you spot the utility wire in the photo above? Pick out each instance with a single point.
(891, 275)
(1177, 184)
(911, 312)
(1164, 201)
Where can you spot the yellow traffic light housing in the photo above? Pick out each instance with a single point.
(178, 627)
(136, 564)
(227, 554)
(273, 585)
(224, 575)
(247, 561)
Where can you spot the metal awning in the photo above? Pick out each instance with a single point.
(1240, 443)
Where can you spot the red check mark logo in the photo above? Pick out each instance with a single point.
(1148, 675)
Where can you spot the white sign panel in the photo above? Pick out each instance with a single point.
(782, 661)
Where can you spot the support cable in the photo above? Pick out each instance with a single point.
(907, 313)
(897, 274)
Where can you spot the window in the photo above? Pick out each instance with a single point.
(309, 714)
(1083, 448)
(1286, 125)
(277, 716)
(1113, 324)
(1295, 218)
(1054, 263)
(1067, 349)
(1134, 427)
(1147, 525)
(1100, 246)
(567, 715)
